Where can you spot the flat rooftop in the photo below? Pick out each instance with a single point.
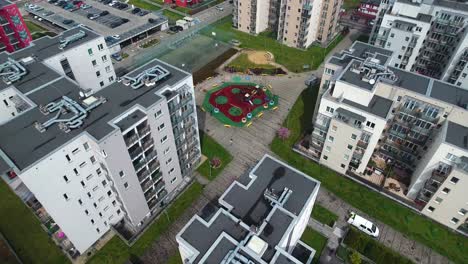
(247, 212)
(378, 106)
(457, 135)
(24, 144)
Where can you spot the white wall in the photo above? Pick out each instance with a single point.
(263, 7)
(8, 110)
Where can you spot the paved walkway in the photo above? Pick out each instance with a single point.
(249, 144)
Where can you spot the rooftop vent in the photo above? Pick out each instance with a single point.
(70, 114)
(277, 199)
(72, 38)
(11, 71)
(148, 77)
(372, 70)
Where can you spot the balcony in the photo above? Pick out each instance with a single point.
(144, 131)
(130, 141)
(138, 166)
(154, 166)
(430, 119)
(187, 112)
(152, 203)
(151, 155)
(162, 194)
(135, 153)
(148, 143)
(431, 186)
(173, 106)
(142, 175)
(362, 144)
(150, 194)
(189, 121)
(155, 176)
(187, 99)
(147, 184)
(160, 185)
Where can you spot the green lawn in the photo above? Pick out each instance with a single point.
(242, 63)
(36, 30)
(211, 148)
(292, 58)
(145, 5)
(116, 251)
(405, 220)
(173, 17)
(316, 241)
(23, 232)
(351, 4)
(372, 249)
(176, 259)
(323, 215)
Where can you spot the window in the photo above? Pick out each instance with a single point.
(92, 221)
(330, 138)
(118, 212)
(163, 139)
(168, 161)
(446, 190)
(173, 180)
(82, 183)
(80, 202)
(86, 212)
(98, 171)
(100, 47)
(462, 211)
(109, 193)
(343, 166)
(114, 203)
(392, 35)
(329, 71)
(334, 128)
(95, 188)
(161, 127)
(89, 177)
(126, 185)
(97, 230)
(370, 124)
(100, 214)
(451, 157)
(104, 58)
(121, 174)
(98, 73)
(171, 170)
(65, 196)
(92, 159)
(90, 52)
(104, 183)
(325, 157)
(328, 148)
(86, 146)
(350, 147)
(94, 63)
(65, 178)
(108, 68)
(346, 157)
(167, 151)
(158, 113)
(111, 79)
(438, 200)
(89, 194)
(68, 158)
(330, 110)
(83, 164)
(76, 172)
(454, 220)
(353, 136)
(454, 180)
(95, 205)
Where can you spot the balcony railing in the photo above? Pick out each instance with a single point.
(156, 176)
(135, 153)
(188, 112)
(159, 186)
(144, 131)
(130, 141)
(362, 144)
(154, 166)
(150, 156)
(140, 164)
(147, 184)
(150, 194)
(143, 174)
(148, 143)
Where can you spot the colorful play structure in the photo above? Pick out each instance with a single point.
(238, 103)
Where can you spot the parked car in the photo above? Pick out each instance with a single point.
(52, 1)
(68, 6)
(116, 56)
(115, 24)
(106, 2)
(124, 20)
(113, 3)
(312, 80)
(60, 3)
(73, 9)
(93, 16)
(117, 37)
(85, 6)
(176, 29)
(220, 8)
(363, 224)
(136, 10)
(68, 21)
(104, 13)
(122, 6)
(143, 13)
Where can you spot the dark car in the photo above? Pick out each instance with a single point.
(104, 13)
(68, 21)
(116, 57)
(122, 6)
(143, 13)
(176, 29)
(136, 10)
(61, 3)
(52, 1)
(106, 2)
(115, 24)
(124, 20)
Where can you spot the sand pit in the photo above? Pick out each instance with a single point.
(260, 57)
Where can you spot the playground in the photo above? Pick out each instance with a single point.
(237, 104)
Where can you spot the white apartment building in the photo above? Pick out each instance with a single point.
(426, 36)
(395, 129)
(89, 160)
(295, 23)
(261, 219)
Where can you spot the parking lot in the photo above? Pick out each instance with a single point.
(107, 20)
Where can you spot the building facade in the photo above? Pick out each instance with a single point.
(428, 37)
(92, 159)
(295, 23)
(394, 129)
(261, 219)
(14, 34)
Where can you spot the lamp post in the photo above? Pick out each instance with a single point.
(390, 168)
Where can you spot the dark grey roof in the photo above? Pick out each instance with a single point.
(3, 166)
(220, 251)
(273, 232)
(202, 237)
(424, 17)
(359, 48)
(403, 22)
(350, 114)
(355, 78)
(38, 75)
(47, 46)
(282, 259)
(457, 135)
(24, 144)
(463, 6)
(129, 120)
(411, 81)
(250, 205)
(449, 93)
(378, 106)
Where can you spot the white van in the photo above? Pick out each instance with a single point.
(363, 224)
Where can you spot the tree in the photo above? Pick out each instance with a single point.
(215, 162)
(284, 133)
(355, 258)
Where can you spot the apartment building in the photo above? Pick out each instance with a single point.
(261, 219)
(14, 34)
(295, 23)
(428, 37)
(88, 160)
(398, 130)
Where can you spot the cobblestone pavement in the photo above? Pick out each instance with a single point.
(249, 144)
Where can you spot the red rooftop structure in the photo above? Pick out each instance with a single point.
(14, 33)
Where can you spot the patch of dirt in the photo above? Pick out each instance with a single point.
(260, 57)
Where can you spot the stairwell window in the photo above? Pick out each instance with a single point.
(65, 196)
(454, 180)
(445, 190)
(164, 139)
(90, 51)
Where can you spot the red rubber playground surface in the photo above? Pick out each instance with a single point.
(236, 101)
